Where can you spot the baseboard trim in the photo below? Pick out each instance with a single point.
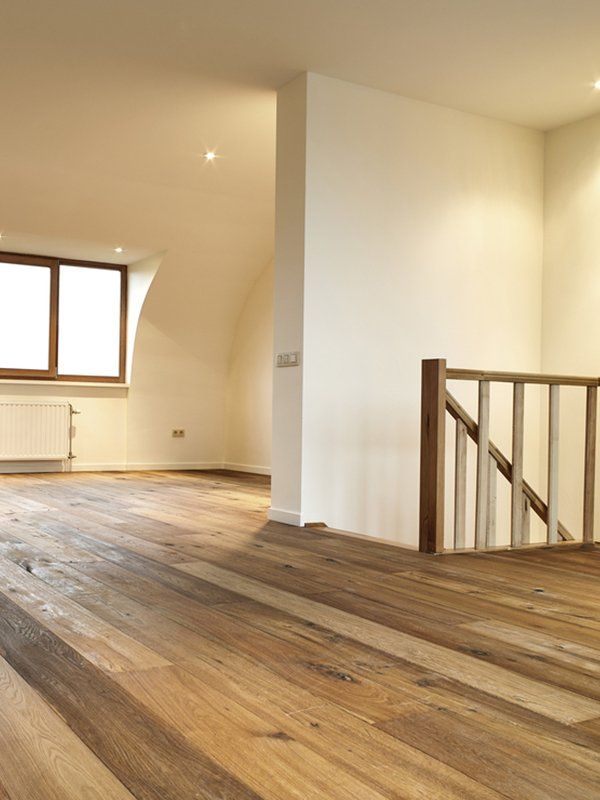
(287, 517)
(11, 467)
(365, 537)
(183, 465)
(98, 467)
(252, 468)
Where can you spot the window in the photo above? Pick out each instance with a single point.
(62, 319)
(25, 312)
(89, 321)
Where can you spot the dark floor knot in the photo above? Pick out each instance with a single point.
(332, 672)
(282, 735)
(474, 651)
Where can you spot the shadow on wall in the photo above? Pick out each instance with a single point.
(249, 394)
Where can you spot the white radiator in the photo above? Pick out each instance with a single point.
(34, 430)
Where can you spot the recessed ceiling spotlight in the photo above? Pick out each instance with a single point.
(210, 155)
(597, 84)
(118, 249)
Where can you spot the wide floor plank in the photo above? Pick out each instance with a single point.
(43, 758)
(161, 640)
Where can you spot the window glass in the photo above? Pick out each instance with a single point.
(89, 315)
(24, 316)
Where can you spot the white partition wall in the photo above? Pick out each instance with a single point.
(404, 231)
(571, 329)
(286, 459)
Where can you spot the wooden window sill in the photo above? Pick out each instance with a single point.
(35, 382)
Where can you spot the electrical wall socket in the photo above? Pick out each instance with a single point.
(178, 433)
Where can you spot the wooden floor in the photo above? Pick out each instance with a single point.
(160, 641)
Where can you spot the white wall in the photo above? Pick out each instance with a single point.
(571, 322)
(129, 427)
(286, 481)
(136, 177)
(250, 382)
(420, 236)
(100, 431)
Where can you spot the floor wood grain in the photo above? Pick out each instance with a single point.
(159, 639)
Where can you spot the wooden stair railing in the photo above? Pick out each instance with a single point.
(436, 401)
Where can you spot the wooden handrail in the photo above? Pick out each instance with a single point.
(520, 377)
(504, 465)
(436, 401)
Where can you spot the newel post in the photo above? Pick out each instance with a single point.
(433, 461)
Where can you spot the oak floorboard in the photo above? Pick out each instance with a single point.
(149, 613)
(497, 756)
(40, 756)
(555, 703)
(264, 756)
(97, 641)
(150, 758)
(163, 639)
(299, 763)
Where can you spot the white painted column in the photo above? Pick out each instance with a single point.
(289, 301)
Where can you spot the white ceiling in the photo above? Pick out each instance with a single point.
(133, 91)
(526, 61)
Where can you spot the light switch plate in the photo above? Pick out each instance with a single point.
(290, 359)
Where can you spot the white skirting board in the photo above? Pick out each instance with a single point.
(183, 465)
(287, 517)
(98, 467)
(9, 467)
(252, 468)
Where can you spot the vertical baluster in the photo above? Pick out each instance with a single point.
(483, 442)
(526, 519)
(553, 418)
(516, 517)
(460, 485)
(589, 479)
(492, 500)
